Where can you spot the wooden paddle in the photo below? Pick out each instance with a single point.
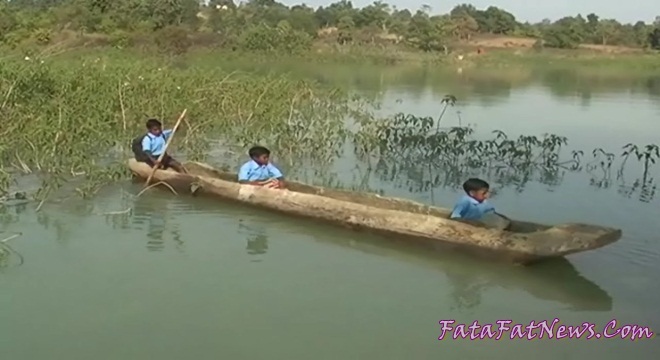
(167, 144)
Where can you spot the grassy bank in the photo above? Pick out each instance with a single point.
(582, 60)
(462, 54)
(73, 117)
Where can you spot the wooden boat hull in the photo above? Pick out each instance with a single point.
(525, 243)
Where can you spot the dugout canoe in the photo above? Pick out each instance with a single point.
(522, 243)
(556, 280)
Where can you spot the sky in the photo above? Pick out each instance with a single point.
(629, 11)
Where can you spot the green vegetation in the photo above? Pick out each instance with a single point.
(417, 153)
(74, 119)
(266, 25)
(69, 123)
(70, 116)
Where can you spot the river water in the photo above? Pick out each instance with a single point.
(179, 277)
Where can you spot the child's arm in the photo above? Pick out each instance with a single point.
(276, 174)
(488, 207)
(459, 209)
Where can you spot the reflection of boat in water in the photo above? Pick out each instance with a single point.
(153, 215)
(555, 280)
(518, 241)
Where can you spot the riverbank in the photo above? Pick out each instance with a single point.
(464, 56)
(489, 52)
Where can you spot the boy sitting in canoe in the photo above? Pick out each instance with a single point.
(148, 148)
(259, 171)
(474, 206)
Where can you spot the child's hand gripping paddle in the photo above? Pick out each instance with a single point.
(167, 144)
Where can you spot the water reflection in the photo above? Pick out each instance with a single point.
(257, 241)
(257, 244)
(484, 86)
(643, 189)
(59, 226)
(554, 280)
(152, 212)
(9, 215)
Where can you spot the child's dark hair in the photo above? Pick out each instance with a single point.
(475, 184)
(257, 151)
(152, 123)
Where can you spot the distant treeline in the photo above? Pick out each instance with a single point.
(269, 25)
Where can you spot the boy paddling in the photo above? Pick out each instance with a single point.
(148, 148)
(474, 207)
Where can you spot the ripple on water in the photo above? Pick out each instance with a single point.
(639, 252)
(157, 214)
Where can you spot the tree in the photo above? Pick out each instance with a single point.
(607, 30)
(345, 30)
(464, 26)
(497, 21)
(375, 14)
(565, 33)
(31, 19)
(640, 33)
(330, 15)
(303, 18)
(654, 39)
(423, 33)
(398, 21)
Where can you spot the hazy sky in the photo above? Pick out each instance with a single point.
(532, 10)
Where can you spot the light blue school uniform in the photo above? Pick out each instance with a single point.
(470, 209)
(155, 145)
(251, 171)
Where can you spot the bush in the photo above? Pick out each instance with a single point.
(173, 40)
(561, 39)
(120, 39)
(272, 39)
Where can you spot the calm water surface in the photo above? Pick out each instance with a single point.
(183, 277)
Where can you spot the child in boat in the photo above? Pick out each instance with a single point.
(474, 204)
(148, 148)
(259, 171)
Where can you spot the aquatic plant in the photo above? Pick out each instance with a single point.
(418, 154)
(71, 122)
(447, 100)
(600, 170)
(407, 140)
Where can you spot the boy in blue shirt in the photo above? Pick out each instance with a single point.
(259, 171)
(147, 148)
(473, 205)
